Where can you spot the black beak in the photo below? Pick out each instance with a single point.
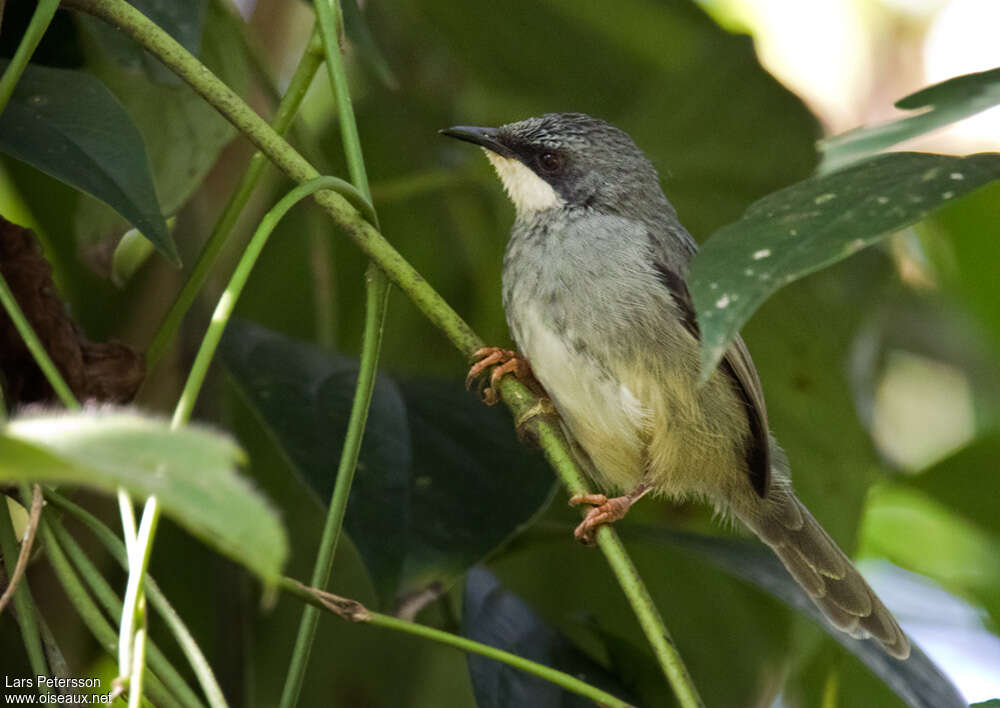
(483, 137)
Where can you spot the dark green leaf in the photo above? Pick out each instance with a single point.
(494, 616)
(943, 103)
(966, 482)
(183, 133)
(190, 470)
(650, 64)
(361, 37)
(473, 485)
(441, 479)
(67, 124)
(303, 395)
(992, 703)
(918, 681)
(816, 223)
(183, 21)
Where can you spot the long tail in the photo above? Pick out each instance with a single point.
(823, 571)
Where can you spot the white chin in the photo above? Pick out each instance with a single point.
(528, 191)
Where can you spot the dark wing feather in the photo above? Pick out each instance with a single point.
(738, 365)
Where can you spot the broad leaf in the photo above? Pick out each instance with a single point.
(494, 616)
(938, 105)
(183, 133)
(190, 470)
(965, 482)
(360, 35)
(303, 396)
(816, 223)
(441, 479)
(67, 124)
(918, 681)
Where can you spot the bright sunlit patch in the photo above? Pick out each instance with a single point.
(923, 410)
(962, 40)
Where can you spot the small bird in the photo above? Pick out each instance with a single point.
(594, 288)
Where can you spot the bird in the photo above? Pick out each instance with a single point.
(596, 299)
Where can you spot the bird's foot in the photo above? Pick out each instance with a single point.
(504, 361)
(605, 511)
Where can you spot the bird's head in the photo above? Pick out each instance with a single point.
(562, 160)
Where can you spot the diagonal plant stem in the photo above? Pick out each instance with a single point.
(330, 20)
(92, 616)
(23, 602)
(174, 623)
(519, 399)
(353, 611)
(35, 346)
(26, 545)
(133, 618)
(113, 607)
(40, 21)
(283, 117)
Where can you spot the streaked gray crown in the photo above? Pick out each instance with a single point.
(599, 165)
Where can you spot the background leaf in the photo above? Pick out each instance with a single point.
(944, 103)
(499, 618)
(190, 470)
(917, 680)
(67, 124)
(958, 482)
(441, 480)
(813, 224)
(183, 133)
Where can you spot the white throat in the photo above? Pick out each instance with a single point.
(528, 191)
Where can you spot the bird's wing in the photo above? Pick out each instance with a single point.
(737, 364)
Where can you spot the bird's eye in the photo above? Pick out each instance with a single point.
(549, 162)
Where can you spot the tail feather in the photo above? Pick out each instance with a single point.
(826, 574)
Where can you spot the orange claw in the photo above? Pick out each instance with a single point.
(605, 511)
(505, 361)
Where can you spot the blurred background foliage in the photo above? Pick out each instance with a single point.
(881, 373)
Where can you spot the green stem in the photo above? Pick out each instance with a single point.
(121, 15)
(283, 117)
(224, 309)
(126, 18)
(91, 615)
(376, 302)
(356, 612)
(34, 345)
(174, 623)
(113, 607)
(23, 602)
(139, 554)
(40, 21)
(552, 441)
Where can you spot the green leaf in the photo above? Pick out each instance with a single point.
(918, 681)
(965, 482)
(992, 703)
(816, 223)
(183, 133)
(183, 21)
(942, 103)
(130, 255)
(68, 125)
(361, 37)
(494, 616)
(441, 479)
(191, 471)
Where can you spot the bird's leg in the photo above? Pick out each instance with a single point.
(504, 361)
(605, 511)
